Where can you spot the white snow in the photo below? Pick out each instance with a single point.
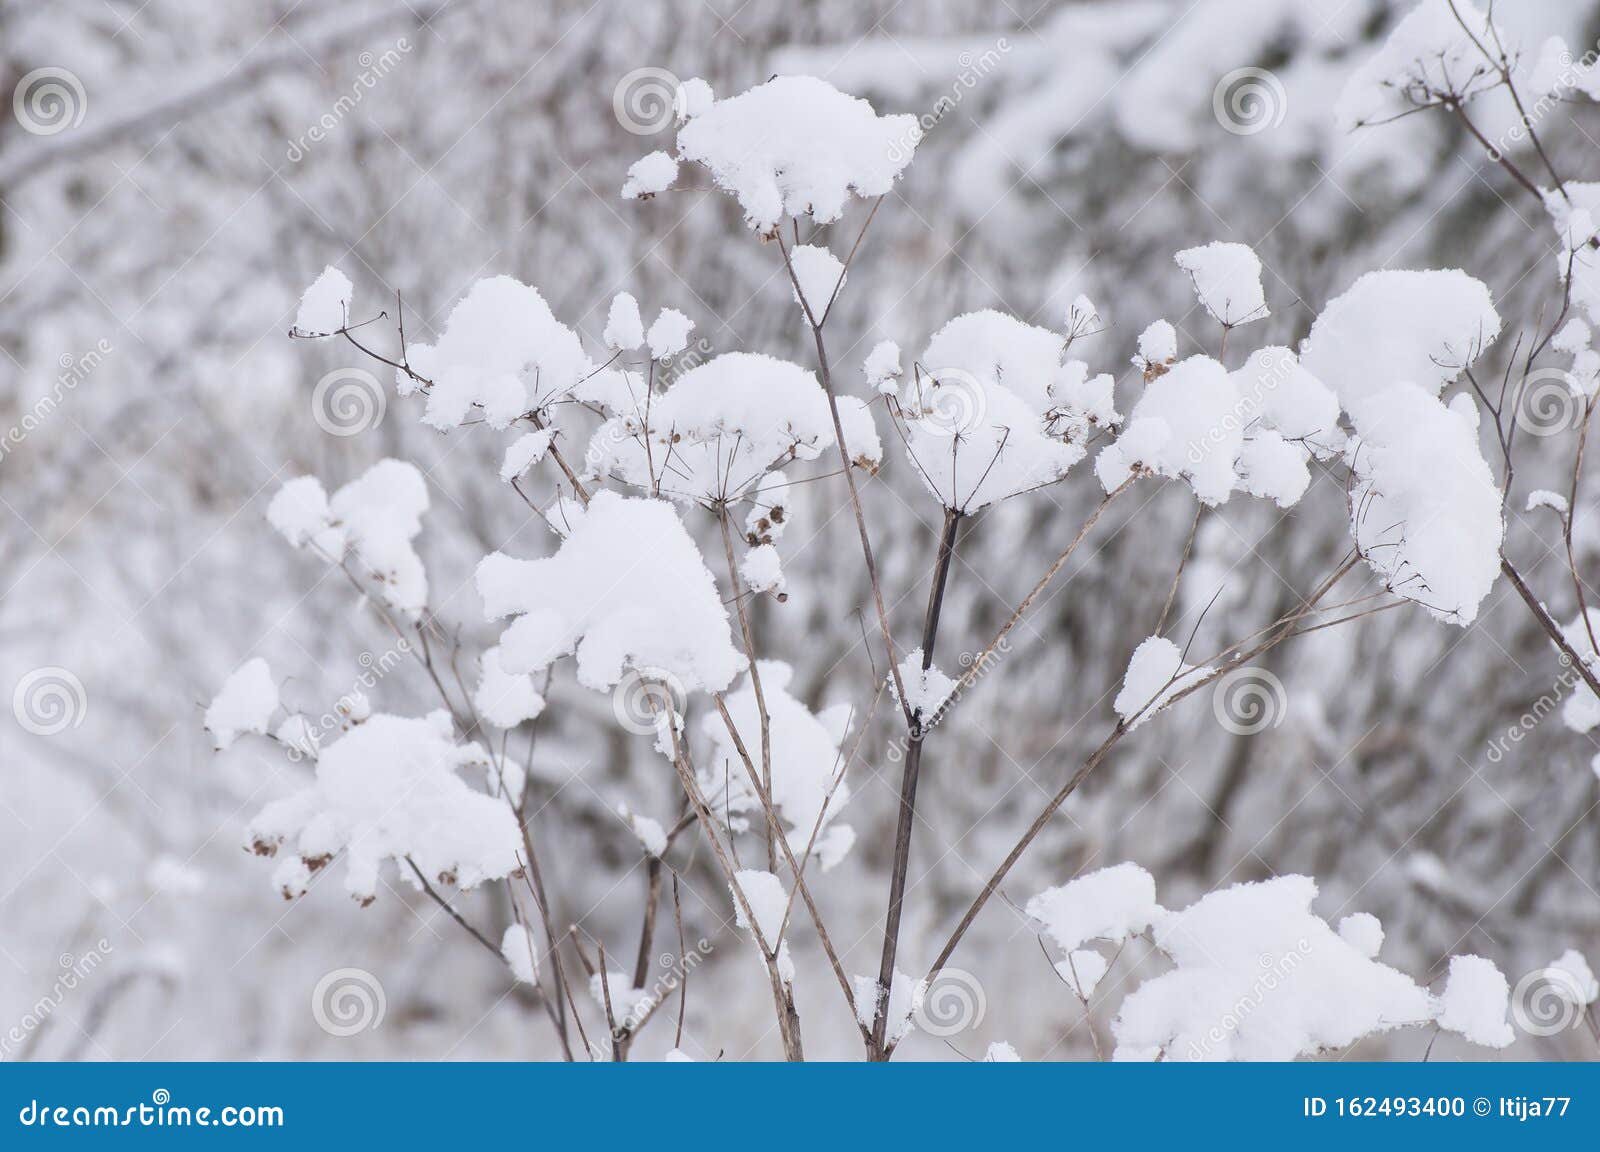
(624, 330)
(1544, 498)
(978, 418)
(762, 570)
(1156, 672)
(1578, 980)
(626, 589)
(723, 425)
(1083, 969)
(505, 699)
(1363, 932)
(806, 759)
(389, 789)
(246, 702)
(926, 688)
(626, 1003)
(882, 367)
(521, 953)
(649, 175)
(1227, 281)
(652, 837)
(669, 335)
(1424, 508)
(693, 98)
(502, 350)
(526, 451)
(1158, 344)
(820, 276)
(375, 516)
(1430, 54)
(905, 997)
(1391, 326)
(1575, 227)
(325, 307)
(300, 514)
(1581, 711)
(797, 146)
(1109, 904)
(1258, 976)
(1253, 430)
(1000, 1052)
(1474, 1002)
(768, 903)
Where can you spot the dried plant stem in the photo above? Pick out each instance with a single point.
(906, 822)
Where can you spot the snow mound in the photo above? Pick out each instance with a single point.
(797, 146)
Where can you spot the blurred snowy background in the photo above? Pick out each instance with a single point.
(211, 158)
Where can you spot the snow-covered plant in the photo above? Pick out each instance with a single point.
(668, 479)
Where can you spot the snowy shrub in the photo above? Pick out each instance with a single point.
(668, 481)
